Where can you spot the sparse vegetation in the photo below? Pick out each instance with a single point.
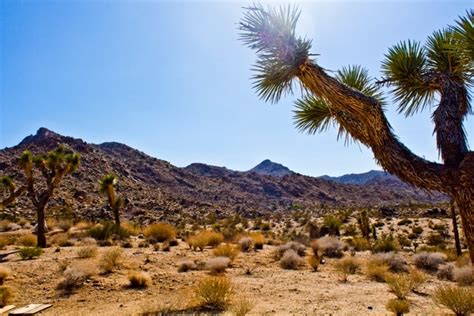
(214, 293)
(347, 266)
(458, 299)
(218, 264)
(110, 259)
(139, 279)
(226, 250)
(28, 240)
(4, 274)
(290, 260)
(328, 246)
(429, 261)
(160, 232)
(463, 275)
(87, 252)
(186, 265)
(6, 295)
(28, 253)
(398, 306)
(377, 270)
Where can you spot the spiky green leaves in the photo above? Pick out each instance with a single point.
(312, 115)
(357, 77)
(271, 32)
(7, 182)
(107, 182)
(464, 32)
(25, 159)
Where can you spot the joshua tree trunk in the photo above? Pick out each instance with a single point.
(363, 118)
(40, 227)
(457, 242)
(117, 216)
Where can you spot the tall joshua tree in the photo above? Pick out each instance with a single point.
(53, 166)
(107, 185)
(438, 74)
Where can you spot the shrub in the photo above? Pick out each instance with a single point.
(186, 265)
(4, 274)
(217, 264)
(396, 262)
(107, 231)
(6, 295)
(131, 228)
(346, 266)
(4, 241)
(399, 284)
(436, 239)
(376, 270)
(110, 259)
(226, 250)
(404, 221)
(398, 306)
(359, 244)
(446, 272)
(258, 240)
(296, 247)
(205, 238)
(333, 224)
(429, 260)
(290, 260)
(74, 277)
(139, 279)
(28, 240)
(458, 299)
(4, 225)
(242, 307)
(28, 253)
(87, 252)
(88, 241)
(417, 230)
(314, 262)
(245, 244)
(61, 240)
(83, 225)
(385, 244)
(331, 247)
(214, 293)
(463, 275)
(160, 232)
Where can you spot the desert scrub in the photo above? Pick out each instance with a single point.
(359, 243)
(214, 293)
(347, 266)
(110, 259)
(6, 295)
(328, 246)
(107, 231)
(186, 265)
(332, 224)
(74, 277)
(242, 307)
(403, 283)
(396, 262)
(458, 299)
(87, 252)
(376, 270)
(28, 240)
(226, 250)
(258, 240)
(159, 232)
(446, 271)
(132, 228)
(61, 240)
(463, 275)
(429, 261)
(398, 306)
(5, 241)
(314, 261)
(245, 244)
(28, 253)
(290, 260)
(139, 279)
(4, 274)
(218, 264)
(204, 239)
(386, 243)
(300, 249)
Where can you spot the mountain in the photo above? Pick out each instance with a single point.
(362, 178)
(271, 168)
(155, 189)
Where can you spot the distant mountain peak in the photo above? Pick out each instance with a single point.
(43, 134)
(361, 178)
(270, 168)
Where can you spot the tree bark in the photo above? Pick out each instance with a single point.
(465, 202)
(457, 242)
(40, 227)
(116, 216)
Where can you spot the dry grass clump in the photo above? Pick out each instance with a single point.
(4, 274)
(290, 260)
(204, 239)
(160, 232)
(226, 250)
(28, 240)
(258, 240)
(87, 252)
(4, 225)
(403, 283)
(359, 243)
(314, 261)
(458, 299)
(376, 270)
(186, 265)
(347, 266)
(398, 306)
(218, 264)
(132, 228)
(74, 277)
(429, 261)
(214, 293)
(61, 240)
(4, 241)
(110, 259)
(463, 275)
(242, 307)
(298, 248)
(245, 244)
(6, 295)
(396, 262)
(139, 279)
(328, 246)
(83, 225)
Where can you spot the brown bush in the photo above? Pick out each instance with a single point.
(28, 240)
(4, 274)
(347, 266)
(429, 261)
(110, 259)
(458, 299)
(290, 260)
(328, 246)
(87, 252)
(6, 295)
(226, 250)
(217, 264)
(376, 270)
(214, 293)
(139, 279)
(463, 275)
(160, 232)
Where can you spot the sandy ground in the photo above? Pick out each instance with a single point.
(272, 289)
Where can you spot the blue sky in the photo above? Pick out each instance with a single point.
(172, 79)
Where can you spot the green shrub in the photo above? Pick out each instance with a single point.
(398, 306)
(333, 224)
(107, 231)
(28, 253)
(376, 270)
(386, 243)
(214, 293)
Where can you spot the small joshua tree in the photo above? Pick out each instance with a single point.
(54, 166)
(7, 184)
(107, 185)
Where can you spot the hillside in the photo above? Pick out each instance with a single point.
(155, 189)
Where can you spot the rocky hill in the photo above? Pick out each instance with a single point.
(155, 189)
(371, 176)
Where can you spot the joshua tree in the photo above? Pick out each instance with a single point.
(107, 185)
(53, 166)
(438, 74)
(7, 184)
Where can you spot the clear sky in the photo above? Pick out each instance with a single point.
(172, 79)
